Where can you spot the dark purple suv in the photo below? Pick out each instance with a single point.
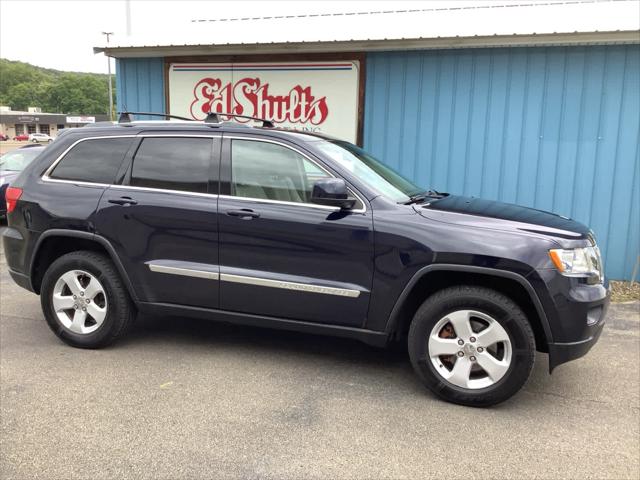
(299, 231)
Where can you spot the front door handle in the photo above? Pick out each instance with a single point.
(123, 201)
(245, 214)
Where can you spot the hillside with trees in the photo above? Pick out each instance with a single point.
(23, 85)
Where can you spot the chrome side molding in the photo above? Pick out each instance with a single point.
(302, 287)
(186, 272)
(258, 281)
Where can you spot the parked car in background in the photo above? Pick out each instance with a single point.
(40, 138)
(3, 137)
(22, 137)
(11, 164)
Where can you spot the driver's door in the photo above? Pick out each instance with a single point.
(281, 255)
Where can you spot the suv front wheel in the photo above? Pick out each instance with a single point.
(471, 345)
(84, 301)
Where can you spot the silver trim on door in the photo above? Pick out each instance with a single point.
(248, 280)
(301, 287)
(186, 272)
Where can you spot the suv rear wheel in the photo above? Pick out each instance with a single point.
(471, 345)
(84, 301)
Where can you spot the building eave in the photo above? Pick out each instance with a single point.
(493, 41)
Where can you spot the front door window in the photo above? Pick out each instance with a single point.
(268, 171)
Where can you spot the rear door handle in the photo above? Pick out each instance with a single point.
(123, 201)
(245, 214)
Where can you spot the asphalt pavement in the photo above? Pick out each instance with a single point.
(182, 398)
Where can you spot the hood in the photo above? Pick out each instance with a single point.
(491, 214)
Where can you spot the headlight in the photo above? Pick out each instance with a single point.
(578, 262)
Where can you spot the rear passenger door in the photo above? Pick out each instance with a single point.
(162, 220)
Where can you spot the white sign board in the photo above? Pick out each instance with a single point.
(308, 96)
(81, 119)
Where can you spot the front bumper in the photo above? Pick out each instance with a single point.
(21, 279)
(581, 311)
(560, 353)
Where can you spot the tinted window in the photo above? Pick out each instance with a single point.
(273, 172)
(95, 161)
(172, 164)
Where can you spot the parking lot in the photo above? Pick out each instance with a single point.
(190, 399)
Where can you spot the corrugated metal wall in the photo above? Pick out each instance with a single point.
(552, 128)
(140, 84)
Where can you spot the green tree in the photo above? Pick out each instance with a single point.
(23, 85)
(22, 95)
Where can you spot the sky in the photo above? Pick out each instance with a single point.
(61, 34)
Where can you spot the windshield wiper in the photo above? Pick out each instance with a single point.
(415, 199)
(421, 197)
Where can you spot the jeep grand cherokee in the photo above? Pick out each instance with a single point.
(274, 228)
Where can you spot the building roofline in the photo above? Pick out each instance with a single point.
(493, 5)
(491, 41)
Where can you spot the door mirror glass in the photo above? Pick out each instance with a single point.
(332, 192)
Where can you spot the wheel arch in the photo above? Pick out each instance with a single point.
(54, 243)
(433, 278)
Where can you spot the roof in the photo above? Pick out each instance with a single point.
(480, 24)
(193, 126)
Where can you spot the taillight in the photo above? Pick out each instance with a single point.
(12, 196)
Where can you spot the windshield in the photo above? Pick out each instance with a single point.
(370, 171)
(18, 159)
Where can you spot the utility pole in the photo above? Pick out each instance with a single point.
(128, 16)
(108, 34)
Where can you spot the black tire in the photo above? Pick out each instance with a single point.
(487, 301)
(120, 312)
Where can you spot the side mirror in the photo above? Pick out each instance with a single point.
(332, 192)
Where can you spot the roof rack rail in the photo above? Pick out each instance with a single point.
(125, 117)
(214, 117)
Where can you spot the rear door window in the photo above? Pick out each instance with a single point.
(93, 161)
(173, 163)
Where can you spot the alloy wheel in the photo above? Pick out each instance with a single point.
(79, 301)
(470, 349)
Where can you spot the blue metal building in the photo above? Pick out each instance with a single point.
(554, 128)
(550, 121)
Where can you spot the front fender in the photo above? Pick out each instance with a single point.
(394, 317)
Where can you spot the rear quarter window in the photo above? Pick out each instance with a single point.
(93, 161)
